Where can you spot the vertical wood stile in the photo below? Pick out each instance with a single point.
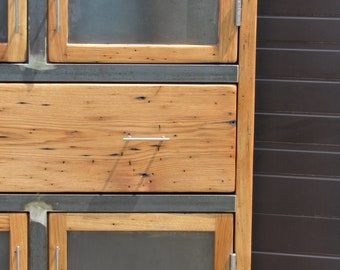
(57, 238)
(18, 237)
(224, 235)
(245, 144)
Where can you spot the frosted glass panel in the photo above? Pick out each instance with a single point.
(4, 250)
(3, 21)
(140, 250)
(143, 21)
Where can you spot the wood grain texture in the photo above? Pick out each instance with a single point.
(57, 137)
(140, 222)
(60, 50)
(245, 137)
(18, 238)
(4, 222)
(57, 238)
(16, 48)
(224, 239)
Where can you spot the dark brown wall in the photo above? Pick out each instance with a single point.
(297, 136)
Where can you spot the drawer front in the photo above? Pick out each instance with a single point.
(134, 31)
(77, 138)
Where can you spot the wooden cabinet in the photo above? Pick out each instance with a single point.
(118, 138)
(13, 30)
(152, 31)
(140, 241)
(142, 110)
(13, 241)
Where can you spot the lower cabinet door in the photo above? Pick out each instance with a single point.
(140, 241)
(13, 241)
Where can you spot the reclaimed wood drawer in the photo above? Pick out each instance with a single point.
(70, 138)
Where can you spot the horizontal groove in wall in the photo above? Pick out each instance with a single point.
(260, 17)
(296, 114)
(297, 80)
(297, 255)
(297, 147)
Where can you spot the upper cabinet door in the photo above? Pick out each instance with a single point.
(13, 30)
(149, 31)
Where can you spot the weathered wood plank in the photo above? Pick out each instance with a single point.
(245, 135)
(140, 222)
(19, 238)
(70, 138)
(4, 222)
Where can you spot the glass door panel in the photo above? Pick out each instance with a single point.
(4, 250)
(143, 22)
(3, 21)
(140, 250)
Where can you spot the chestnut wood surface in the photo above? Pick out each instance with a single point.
(57, 138)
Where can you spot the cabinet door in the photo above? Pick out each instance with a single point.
(13, 30)
(117, 138)
(149, 31)
(13, 241)
(140, 241)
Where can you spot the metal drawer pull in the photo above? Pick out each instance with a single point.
(57, 251)
(129, 138)
(58, 15)
(16, 16)
(18, 257)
